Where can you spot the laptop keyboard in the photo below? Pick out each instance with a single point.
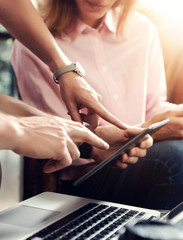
(92, 221)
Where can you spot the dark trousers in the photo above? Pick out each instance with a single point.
(155, 181)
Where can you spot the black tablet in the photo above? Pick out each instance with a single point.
(125, 148)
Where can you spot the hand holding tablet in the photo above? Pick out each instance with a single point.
(125, 148)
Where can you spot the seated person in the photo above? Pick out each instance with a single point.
(121, 53)
(14, 123)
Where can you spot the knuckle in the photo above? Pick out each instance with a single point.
(144, 153)
(85, 133)
(125, 157)
(68, 162)
(168, 112)
(61, 132)
(79, 125)
(99, 97)
(65, 161)
(132, 152)
(76, 154)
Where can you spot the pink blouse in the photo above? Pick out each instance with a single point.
(128, 73)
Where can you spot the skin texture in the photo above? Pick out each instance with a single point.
(44, 136)
(34, 34)
(117, 139)
(33, 133)
(30, 132)
(173, 130)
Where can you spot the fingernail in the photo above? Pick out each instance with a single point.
(106, 145)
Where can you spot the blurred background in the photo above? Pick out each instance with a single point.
(168, 18)
(11, 163)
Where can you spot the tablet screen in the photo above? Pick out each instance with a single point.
(125, 148)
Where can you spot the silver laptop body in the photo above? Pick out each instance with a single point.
(30, 216)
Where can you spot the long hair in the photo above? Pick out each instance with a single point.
(60, 14)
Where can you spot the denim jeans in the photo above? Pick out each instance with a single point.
(155, 181)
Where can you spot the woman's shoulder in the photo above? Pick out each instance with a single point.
(139, 23)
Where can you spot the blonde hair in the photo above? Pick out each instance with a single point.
(60, 14)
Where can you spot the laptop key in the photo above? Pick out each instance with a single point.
(92, 221)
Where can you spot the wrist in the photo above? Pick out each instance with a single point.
(72, 67)
(59, 59)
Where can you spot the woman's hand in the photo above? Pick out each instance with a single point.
(116, 138)
(173, 130)
(78, 94)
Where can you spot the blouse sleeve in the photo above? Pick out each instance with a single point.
(35, 83)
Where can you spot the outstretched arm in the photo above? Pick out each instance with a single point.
(24, 23)
(33, 133)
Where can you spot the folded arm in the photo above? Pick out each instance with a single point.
(174, 129)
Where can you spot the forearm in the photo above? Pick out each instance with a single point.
(30, 29)
(15, 107)
(8, 131)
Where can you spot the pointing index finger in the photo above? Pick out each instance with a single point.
(105, 114)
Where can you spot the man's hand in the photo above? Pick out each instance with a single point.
(116, 138)
(173, 130)
(49, 137)
(78, 94)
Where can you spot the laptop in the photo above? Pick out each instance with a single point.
(58, 216)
